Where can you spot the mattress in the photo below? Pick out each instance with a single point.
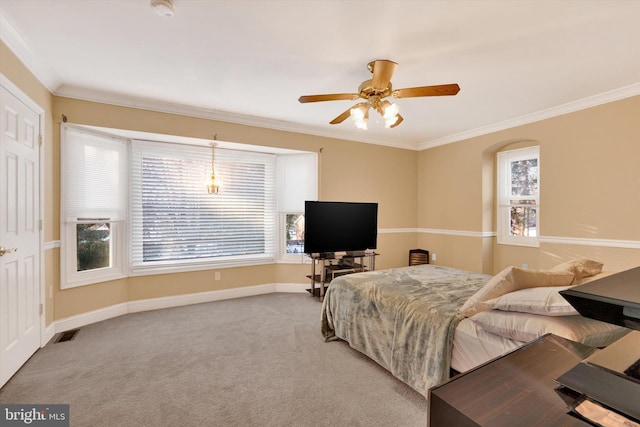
(473, 346)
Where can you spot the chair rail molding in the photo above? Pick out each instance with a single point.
(588, 241)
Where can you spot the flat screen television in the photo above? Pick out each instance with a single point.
(340, 226)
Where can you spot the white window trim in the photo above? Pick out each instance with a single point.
(73, 278)
(121, 233)
(160, 267)
(69, 276)
(190, 266)
(504, 158)
(287, 258)
(308, 191)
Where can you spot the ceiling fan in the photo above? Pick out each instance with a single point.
(374, 91)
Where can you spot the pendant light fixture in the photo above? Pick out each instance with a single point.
(213, 183)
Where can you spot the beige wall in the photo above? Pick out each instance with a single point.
(589, 176)
(348, 171)
(590, 189)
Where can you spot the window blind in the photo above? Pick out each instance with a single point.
(173, 218)
(94, 174)
(297, 181)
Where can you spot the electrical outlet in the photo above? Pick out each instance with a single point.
(433, 257)
(216, 275)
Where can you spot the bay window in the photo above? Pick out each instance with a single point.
(132, 206)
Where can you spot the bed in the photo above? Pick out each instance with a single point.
(419, 321)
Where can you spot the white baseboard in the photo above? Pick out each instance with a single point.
(99, 315)
(200, 297)
(292, 287)
(49, 332)
(90, 317)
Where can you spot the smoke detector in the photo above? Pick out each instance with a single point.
(163, 7)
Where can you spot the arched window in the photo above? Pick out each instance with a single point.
(519, 196)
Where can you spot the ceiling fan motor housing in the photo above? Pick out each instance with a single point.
(367, 90)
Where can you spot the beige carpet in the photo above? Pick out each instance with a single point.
(255, 361)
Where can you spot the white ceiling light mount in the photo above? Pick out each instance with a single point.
(163, 8)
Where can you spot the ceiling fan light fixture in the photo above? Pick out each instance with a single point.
(390, 121)
(390, 113)
(360, 115)
(390, 110)
(163, 8)
(359, 111)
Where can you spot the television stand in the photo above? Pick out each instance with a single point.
(326, 267)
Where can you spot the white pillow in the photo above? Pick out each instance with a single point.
(545, 301)
(512, 279)
(527, 327)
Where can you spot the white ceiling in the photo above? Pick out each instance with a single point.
(248, 61)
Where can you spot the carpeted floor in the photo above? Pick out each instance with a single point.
(255, 361)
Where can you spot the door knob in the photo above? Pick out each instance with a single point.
(6, 251)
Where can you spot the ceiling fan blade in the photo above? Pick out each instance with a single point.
(341, 118)
(328, 97)
(383, 70)
(400, 119)
(439, 90)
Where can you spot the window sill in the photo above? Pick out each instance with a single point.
(299, 258)
(147, 270)
(92, 280)
(533, 243)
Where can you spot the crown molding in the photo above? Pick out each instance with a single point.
(92, 95)
(46, 75)
(570, 107)
(180, 109)
(40, 69)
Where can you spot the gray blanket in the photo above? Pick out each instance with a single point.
(402, 318)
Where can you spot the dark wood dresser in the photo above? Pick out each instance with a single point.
(517, 389)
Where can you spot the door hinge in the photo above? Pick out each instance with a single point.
(40, 140)
(41, 309)
(39, 225)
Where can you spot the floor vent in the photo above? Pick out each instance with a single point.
(67, 335)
